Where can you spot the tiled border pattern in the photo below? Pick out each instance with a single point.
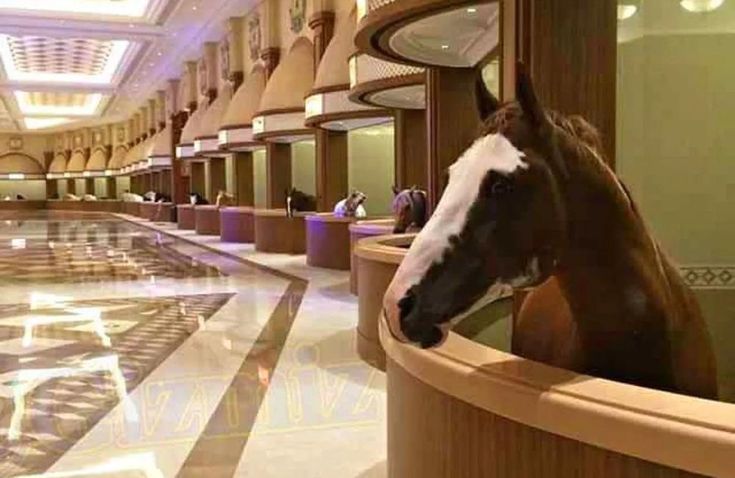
(699, 276)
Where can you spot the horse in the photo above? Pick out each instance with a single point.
(409, 209)
(197, 199)
(533, 203)
(352, 205)
(299, 201)
(127, 196)
(224, 199)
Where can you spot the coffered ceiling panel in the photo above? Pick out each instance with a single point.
(66, 64)
(114, 8)
(46, 59)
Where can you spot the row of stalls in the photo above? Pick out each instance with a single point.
(297, 120)
(369, 96)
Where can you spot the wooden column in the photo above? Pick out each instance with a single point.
(331, 168)
(331, 146)
(52, 188)
(197, 180)
(451, 122)
(244, 179)
(89, 186)
(571, 47)
(179, 186)
(111, 188)
(411, 161)
(270, 56)
(52, 185)
(217, 177)
(166, 181)
(278, 174)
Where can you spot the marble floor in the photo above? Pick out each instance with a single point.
(132, 349)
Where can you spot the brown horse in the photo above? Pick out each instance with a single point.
(409, 209)
(533, 203)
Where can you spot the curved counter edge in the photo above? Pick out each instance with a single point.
(672, 430)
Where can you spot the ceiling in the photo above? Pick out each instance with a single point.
(66, 64)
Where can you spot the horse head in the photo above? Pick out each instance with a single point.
(299, 201)
(500, 222)
(409, 209)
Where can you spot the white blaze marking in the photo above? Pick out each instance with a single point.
(489, 153)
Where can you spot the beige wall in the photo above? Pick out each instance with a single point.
(33, 145)
(303, 166)
(676, 142)
(372, 166)
(259, 177)
(31, 189)
(100, 187)
(123, 184)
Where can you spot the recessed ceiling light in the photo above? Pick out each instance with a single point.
(160, 53)
(445, 47)
(472, 10)
(701, 6)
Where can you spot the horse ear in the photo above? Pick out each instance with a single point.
(487, 103)
(526, 95)
(395, 190)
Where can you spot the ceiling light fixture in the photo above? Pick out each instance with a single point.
(43, 123)
(701, 6)
(445, 47)
(28, 106)
(119, 8)
(472, 10)
(625, 11)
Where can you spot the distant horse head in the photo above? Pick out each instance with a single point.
(299, 201)
(197, 199)
(352, 205)
(224, 199)
(409, 209)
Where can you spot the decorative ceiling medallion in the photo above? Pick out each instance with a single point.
(254, 37)
(61, 60)
(122, 8)
(58, 104)
(297, 12)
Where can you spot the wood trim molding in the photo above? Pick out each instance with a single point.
(376, 28)
(316, 121)
(269, 136)
(279, 111)
(360, 92)
(328, 89)
(230, 127)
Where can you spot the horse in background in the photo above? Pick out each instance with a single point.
(352, 205)
(533, 203)
(196, 199)
(127, 196)
(225, 199)
(410, 209)
(299, 201)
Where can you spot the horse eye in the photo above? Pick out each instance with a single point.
(500, 187)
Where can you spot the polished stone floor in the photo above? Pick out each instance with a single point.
(137, 350)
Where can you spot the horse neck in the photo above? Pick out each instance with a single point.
(610, 271)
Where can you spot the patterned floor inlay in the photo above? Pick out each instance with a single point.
(65, 365)
(87, 259)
